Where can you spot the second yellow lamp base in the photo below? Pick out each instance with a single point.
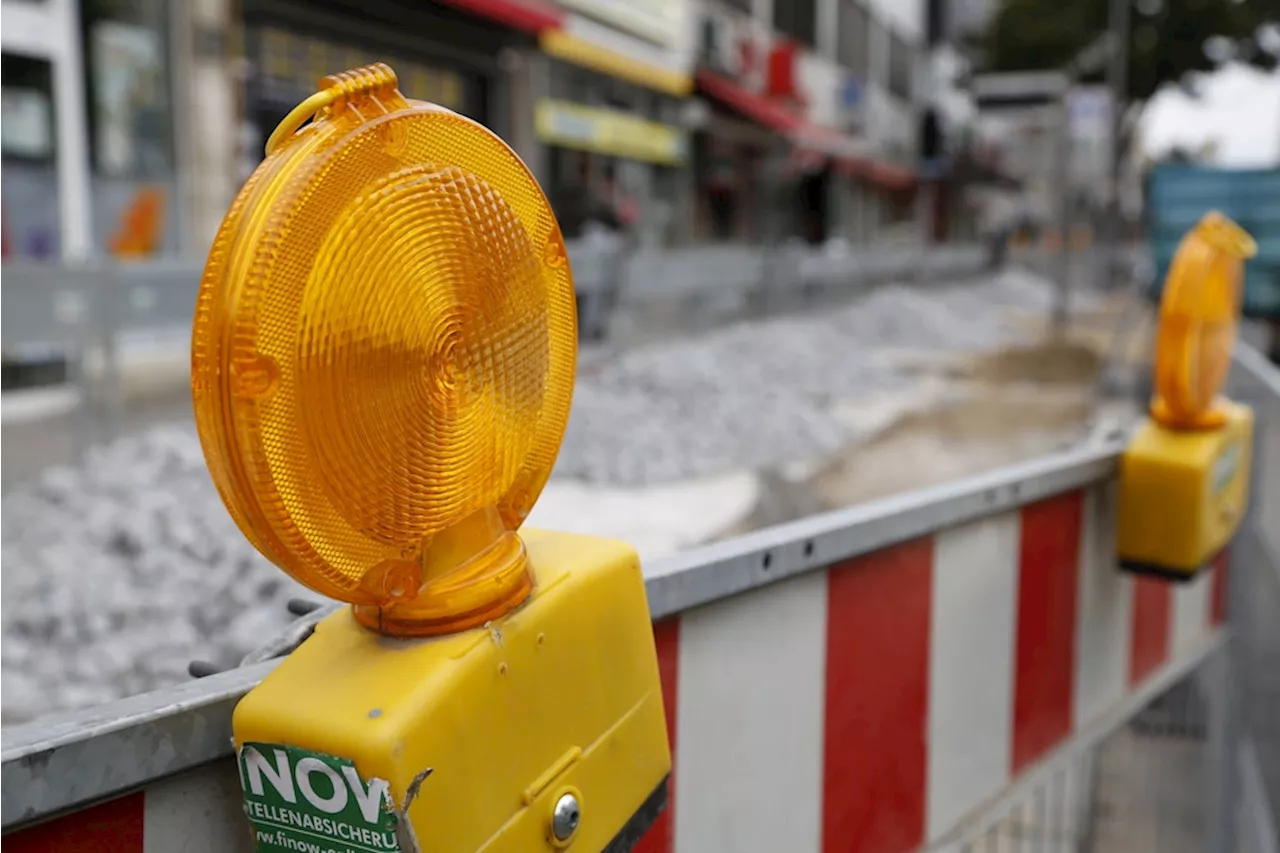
(1183, 493)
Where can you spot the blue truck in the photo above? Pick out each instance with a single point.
(1178, 194)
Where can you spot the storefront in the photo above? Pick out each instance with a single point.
(292, 45)
(736, 145)
(70, 181)
(729, 158)
(614, 153)
(771, 160)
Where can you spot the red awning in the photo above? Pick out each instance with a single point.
(848, 152)
(891, 176)
(758, 108)
(530, 16)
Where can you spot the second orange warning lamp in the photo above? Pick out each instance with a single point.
(1184, 479)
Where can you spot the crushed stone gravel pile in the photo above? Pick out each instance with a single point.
(760, 394)
(119, 572)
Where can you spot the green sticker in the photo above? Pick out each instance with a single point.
(1225, 467)
(299, 800)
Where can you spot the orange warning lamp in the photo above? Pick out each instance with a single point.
(1199, 314)
(382, 365)
(1184, 478)
(383, 357)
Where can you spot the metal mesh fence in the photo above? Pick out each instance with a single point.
(1141, 789)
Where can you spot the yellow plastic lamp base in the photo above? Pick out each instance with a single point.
(541, 731)
(1183, 493)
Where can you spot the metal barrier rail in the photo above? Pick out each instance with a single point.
(56, 305)
(79, 757)
(732, 274)
(63, 306)
(106, 333)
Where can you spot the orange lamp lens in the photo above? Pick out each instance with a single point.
(1199, 316)
(383, 357)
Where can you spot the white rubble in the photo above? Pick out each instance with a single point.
(655, 520)
(759, 394)
(121, 571)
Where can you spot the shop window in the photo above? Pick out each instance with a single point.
(853, 25)
(899, 208)
(796, 18)
(27, 125)
(622, 96)
(900, 62)
(935, 21)
(569, 189)
(29, 142)
(668, 110)
(289, 64)
(127, 81)
(583, 86)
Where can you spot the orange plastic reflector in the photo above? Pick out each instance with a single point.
(1199, 314)
(383, 357)
(141, 226)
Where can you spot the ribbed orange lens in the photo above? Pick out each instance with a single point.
(383, 358)
(1199, 314)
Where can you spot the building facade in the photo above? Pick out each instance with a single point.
(606, 94)
(809, 116)
(682, 121)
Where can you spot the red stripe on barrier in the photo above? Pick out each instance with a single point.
(112, 827)
(1152, 612)
(876, 715)
(1048, 569)
(666, 637)
(1218, 592)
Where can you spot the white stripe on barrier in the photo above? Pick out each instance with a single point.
(971, 667)
(196, 812)
(1104, 619)
(750, 721)
(1190, 612)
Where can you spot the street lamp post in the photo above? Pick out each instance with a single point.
(1118, 79)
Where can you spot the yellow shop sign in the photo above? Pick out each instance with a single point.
(608, 132)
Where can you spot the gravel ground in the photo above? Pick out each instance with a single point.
(759, 394)
(120, 572)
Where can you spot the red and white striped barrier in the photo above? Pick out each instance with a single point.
(874, 704)
(871, 705)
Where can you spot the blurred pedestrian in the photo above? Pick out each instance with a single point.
(1273, 348)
